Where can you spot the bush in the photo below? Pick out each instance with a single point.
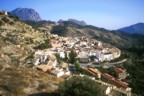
(1, 22)
(72, 57)
(136, 74)
(80, 86)
(43, 45)
(5, 19)
(11, 23)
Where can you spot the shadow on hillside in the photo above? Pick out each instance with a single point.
(44, 94)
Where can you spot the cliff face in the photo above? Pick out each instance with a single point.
(26, 14)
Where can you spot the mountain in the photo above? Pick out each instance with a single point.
(74, 21)
(82, 23)
(68, 28)
(26, 14)
(136, 28)
(115, 38)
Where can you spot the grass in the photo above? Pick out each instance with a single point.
(16, 79)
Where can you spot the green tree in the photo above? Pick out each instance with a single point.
(80, 86)
(136, 76)
(72, 57)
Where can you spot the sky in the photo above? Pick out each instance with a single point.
(109, 14)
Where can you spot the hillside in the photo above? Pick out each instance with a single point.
(116, 38)
(43, 25)
(68, 28)
(26, 14)
(17, 42)
(136, 28)
(81, 23)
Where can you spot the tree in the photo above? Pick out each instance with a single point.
(72, 57)
(80, 86)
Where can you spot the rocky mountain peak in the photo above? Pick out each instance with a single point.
(26, 14)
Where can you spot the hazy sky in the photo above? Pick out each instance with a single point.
(109, 14)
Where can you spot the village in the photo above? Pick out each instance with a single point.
(87, 51)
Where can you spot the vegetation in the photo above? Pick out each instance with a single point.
(43, 45)
(136, 77)
(15, 18)
(80, 86)
(72, 57)
(134, 67)
(5, 19)
(1, 22)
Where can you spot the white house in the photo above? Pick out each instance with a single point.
(38, 52)
(62, 54)
(108, 90)
(57, 72)
(37, 62)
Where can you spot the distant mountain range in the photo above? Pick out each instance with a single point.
(74, 28)
(136, 28)
(68, 28)
(26, 14)
(82, 23)
(77, 22)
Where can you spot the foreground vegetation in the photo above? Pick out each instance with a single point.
(80, 86)
(135, 68)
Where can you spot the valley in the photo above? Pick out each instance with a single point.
(40, 55)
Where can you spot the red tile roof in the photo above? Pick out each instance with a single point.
(119, 83)
(107, 76)
(96, 71)
(54, 41)
(118, 70)
(90, 72)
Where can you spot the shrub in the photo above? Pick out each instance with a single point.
(5, 19)
(1, 22)
(80, 86)
(43, 46)
(11, 23)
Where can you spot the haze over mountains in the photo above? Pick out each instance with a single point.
(136, 28)
(73, 27)
(31, 14)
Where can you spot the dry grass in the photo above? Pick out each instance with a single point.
(27, 81)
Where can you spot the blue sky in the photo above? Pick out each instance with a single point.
(109, 14)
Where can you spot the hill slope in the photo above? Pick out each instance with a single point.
(17, 42)
(136, 28)
(26, 14)
(116, 38)
(82, 23)
(68, 28)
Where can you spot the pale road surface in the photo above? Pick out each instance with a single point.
(101, 65)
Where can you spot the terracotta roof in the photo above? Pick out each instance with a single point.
(54, 41)
(119, 83)
(91, 72)
(44, 67)
(107, 76)
(96, 71)
(118, 70)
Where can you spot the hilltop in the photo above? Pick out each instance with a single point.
(26, 14)
(136, 28)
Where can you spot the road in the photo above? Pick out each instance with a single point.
(101, 65)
